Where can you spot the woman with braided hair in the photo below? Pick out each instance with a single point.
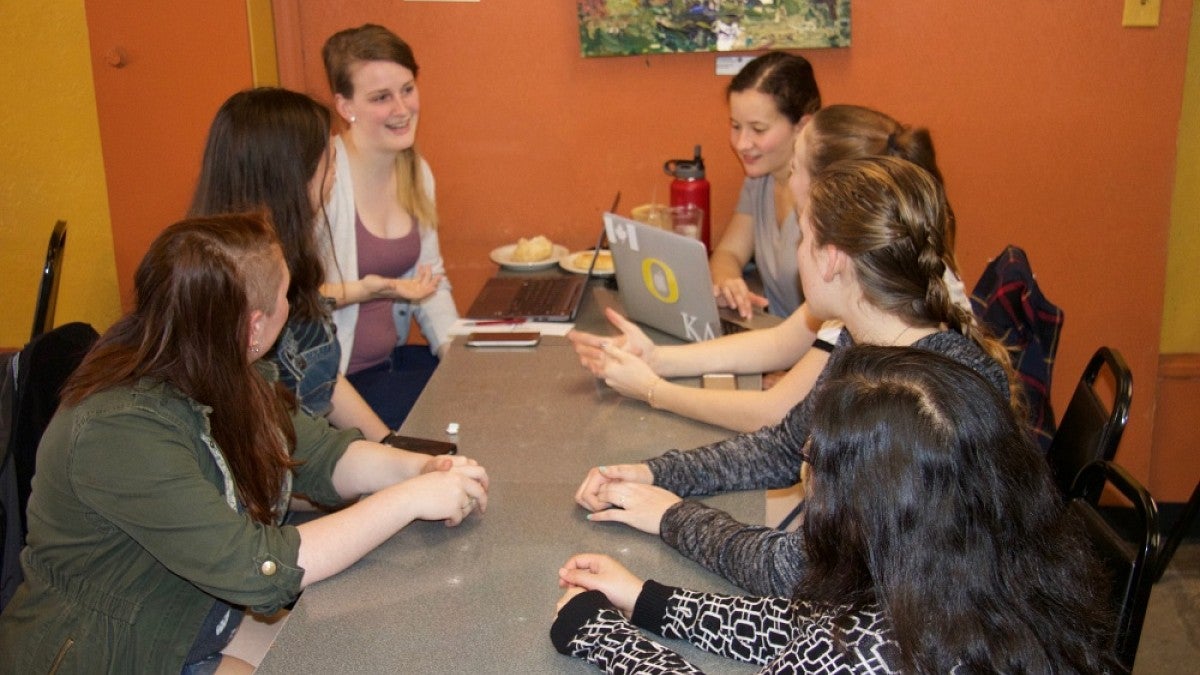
(872, 255)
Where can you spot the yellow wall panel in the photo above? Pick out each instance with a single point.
(1181, 304)
(51, 168)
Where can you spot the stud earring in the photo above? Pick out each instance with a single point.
(254, 347)
(353, 119)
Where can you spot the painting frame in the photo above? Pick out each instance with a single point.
(637, 27)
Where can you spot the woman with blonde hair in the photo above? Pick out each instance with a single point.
(383, 224)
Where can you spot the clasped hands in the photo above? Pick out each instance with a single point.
(623, 494)
(451, 487)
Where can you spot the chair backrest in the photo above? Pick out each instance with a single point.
(1091, 427)
(1009, 302)
(47, 298)
(42, 368)
(1132, 565)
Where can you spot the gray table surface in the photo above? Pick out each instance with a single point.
(480, 598)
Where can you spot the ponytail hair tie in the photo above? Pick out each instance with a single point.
(892, 149)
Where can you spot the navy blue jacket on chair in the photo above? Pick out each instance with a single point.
(1009, 302)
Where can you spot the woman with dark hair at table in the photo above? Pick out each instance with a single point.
(935, 541)
(269, 149)
(157, 509)
(771, 100)
(872, 255)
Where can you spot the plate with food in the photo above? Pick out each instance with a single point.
(527, 255)
(579, 261)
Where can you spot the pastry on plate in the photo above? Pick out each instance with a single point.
(604, 262)
(532, 250)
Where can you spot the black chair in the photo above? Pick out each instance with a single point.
(1178, 531)
(1132, 565)
(1090, 428)
(47, 298)
(42, 368)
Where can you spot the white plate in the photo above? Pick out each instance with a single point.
(503, 257)
(579, 261)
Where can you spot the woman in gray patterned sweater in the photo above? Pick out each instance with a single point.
(936, 543)
(872, 251)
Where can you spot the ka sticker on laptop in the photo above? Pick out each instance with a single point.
(663, 279)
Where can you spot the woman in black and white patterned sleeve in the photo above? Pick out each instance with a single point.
(935, 543)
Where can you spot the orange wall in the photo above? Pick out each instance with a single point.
(1055, 127)
(181, 61)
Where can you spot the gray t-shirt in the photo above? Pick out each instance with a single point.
(774, 246)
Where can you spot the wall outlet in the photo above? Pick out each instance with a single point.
(1143, 13)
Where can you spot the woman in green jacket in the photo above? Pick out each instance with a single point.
(162, 482)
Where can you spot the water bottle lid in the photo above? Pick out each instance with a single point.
(685, 169)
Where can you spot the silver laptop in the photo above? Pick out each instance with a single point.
(664, 282)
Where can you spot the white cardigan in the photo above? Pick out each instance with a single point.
(339, 252)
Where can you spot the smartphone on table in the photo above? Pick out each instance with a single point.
(427, 446)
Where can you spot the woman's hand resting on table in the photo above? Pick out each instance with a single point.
(632, 340)
(447, 462)
(623, 494)
(595, 572)
(733, 292)
(448, 494)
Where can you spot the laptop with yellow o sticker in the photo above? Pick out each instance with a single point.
(664, 282)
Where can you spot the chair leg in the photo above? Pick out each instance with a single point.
(1182, 525)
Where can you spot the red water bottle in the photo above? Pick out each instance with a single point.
(691, 188)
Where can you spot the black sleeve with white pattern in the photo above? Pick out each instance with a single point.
(782, 635)
(589, 628)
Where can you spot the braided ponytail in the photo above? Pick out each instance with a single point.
(890, 216)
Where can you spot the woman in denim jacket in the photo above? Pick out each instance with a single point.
(163, 479)
(268, 149)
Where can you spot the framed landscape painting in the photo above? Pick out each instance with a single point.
(625, 27)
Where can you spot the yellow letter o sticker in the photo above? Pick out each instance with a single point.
(660, 280)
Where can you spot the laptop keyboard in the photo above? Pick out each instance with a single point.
(538, 296)
(729, 328)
